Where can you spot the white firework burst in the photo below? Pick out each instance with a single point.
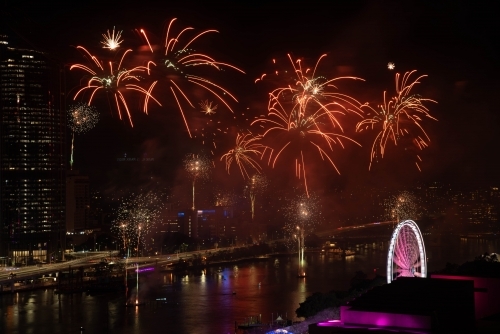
(207, 107)
(112, 40)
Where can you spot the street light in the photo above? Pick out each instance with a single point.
(138, 240)
(123, 226)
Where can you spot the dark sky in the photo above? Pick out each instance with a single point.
(454, 43)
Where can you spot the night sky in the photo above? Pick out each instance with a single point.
(455, 44)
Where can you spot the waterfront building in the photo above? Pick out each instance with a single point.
(77, 202)
(32, 155)
(208, 225)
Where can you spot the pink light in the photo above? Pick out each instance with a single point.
(330, 323)
(144, 269)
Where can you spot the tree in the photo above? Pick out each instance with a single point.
(317, 302)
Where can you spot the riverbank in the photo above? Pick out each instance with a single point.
(116, 281)
(300, 327)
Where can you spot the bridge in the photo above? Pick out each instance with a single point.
(89, 259)
(363, 231)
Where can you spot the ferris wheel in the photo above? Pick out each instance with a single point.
(406, 256)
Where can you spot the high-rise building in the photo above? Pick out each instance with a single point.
(77, 202)
(32, 156)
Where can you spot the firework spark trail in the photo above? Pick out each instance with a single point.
(256, 185)
(246, 146)
(198, 167)
(306, 87)
(177, 64)
(81, 118)
(135, 218)
(114, 79)
(303, 115)
(112, 40)
(302, 214)
(395, 118)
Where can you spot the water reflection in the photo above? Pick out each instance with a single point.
(211, 301)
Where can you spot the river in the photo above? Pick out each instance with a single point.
(213, 301)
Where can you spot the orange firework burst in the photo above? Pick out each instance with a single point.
(307, 119)
(308, 88)
(177, 64)
(241, 154)
(395, 118)
(116, 79)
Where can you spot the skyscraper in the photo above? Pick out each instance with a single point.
(77, 202)
(32, 151)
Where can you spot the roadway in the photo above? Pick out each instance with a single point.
(88, 259)
(82, 260)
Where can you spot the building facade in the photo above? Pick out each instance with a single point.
(32, 156)
(77, 202)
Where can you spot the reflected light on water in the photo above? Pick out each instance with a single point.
(205, 303)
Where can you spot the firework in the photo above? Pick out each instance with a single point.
(208, 128)
(135, 218)
(207, 108)
(242, 154)
(302, 216)
(305, 118)
(225, 198)
(208, 132)
(177, 65)
(391, 65)
(256, 185)
(403, 207)
(198, 167)
(307, 89)
(115, 79)
(81, 118)
(398, 117)
(112, 41)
